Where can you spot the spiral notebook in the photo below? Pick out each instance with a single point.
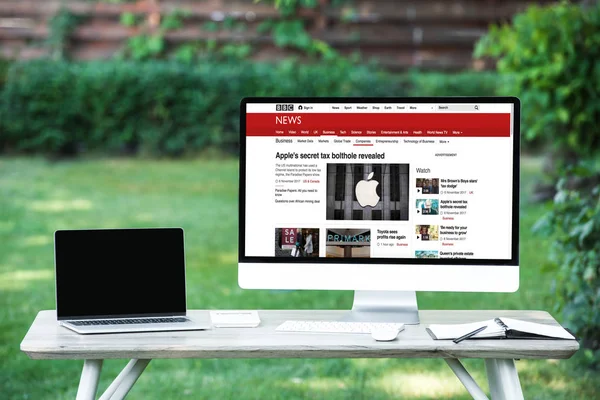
(500, 328)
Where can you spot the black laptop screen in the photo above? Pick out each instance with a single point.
(114, 272)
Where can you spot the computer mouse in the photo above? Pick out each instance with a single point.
(385, 335)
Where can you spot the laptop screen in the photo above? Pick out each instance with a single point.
(119, 273)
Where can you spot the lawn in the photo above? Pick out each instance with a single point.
(38, 197)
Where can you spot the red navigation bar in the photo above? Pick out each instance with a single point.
(379, 124)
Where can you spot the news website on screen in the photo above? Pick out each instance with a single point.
(371, 180)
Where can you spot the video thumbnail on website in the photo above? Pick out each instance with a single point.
(367, 192)
(428, 206)
(427, 232)
(428, 185)
(426, 254)
(348, 243)
(296, 242)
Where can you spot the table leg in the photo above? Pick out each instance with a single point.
(123, 383)
(88, 384)
(503, 379)
(467, 380)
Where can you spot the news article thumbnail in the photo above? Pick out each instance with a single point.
(368, 192)
(296, 242)
(426, 254)
(428, 185)
(348, 243)
(428, 206)
(427, 232)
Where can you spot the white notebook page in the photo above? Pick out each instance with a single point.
(494, 330)
(445, 331)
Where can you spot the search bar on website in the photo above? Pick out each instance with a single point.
(457, 107)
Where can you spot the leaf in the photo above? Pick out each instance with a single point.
(128, 19)
(185, 53)
(228, 22)
(156, 44)
(543, 225)
(210, 26)
(171, 22)
(563, 114)
(590, 273)
(265, 26)
(585, 231)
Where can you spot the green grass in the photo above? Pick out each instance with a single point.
(38, 197)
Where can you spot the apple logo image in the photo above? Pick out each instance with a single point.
(366, 192)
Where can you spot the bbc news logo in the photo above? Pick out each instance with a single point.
(284, 107)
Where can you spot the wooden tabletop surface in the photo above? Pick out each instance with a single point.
(47, 340)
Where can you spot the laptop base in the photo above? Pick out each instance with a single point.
(130, 328)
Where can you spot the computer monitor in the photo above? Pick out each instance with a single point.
(383, 196)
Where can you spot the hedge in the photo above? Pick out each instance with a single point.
(165, 108)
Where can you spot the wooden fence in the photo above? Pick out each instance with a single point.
(428, 34)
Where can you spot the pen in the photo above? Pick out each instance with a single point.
(468, 335)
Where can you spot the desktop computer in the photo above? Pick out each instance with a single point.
(383, 196)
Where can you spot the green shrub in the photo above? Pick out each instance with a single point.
(160, 108)
(458, 84)
(4, 66)
(550, 56)
(574, 226)
(165, 108)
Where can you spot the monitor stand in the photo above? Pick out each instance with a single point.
(384, 306)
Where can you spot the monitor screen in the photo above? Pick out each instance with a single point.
(114, 272)
(377, 181)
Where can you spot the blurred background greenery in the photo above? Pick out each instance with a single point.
(125, 113)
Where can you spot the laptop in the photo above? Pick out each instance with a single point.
(121, 280)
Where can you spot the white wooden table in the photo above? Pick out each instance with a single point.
(47, 340)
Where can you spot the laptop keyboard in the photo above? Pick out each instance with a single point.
(166, 320)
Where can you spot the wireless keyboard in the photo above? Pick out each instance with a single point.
(337, 326)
